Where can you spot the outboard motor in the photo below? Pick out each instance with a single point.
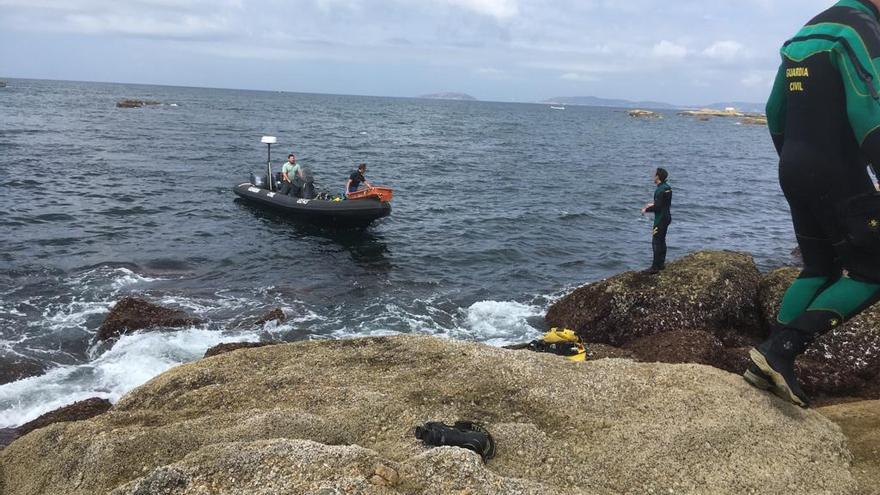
(308, 190)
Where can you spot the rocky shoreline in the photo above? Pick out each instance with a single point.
(658, 407)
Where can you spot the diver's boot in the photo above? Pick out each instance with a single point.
(757, 378)
(775, 359)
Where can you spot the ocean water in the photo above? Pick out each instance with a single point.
(499, 209)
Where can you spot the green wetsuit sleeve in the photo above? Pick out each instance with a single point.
(862, 108)
(776, 109)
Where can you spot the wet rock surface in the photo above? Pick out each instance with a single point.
(337, 417)
(77, 411)
(232, 346)
(131, 313)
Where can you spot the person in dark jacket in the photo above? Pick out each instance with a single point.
(662, 218)
(356, 178)
(824, 118)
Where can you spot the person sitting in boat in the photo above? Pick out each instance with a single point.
(290, 172)
(356, 178)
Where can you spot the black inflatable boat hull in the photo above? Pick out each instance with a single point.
(342, 213)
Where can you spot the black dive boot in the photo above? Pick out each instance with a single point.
(775, 360)
(757, 378)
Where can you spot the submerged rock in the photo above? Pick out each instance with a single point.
(131, 313)
(709, 290)
(14, 367)
(644, 114)
(136, 103)
(753, 121)
(337, 417)
(276, 314)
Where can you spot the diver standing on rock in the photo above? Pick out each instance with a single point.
(824, 118)
(662, 218)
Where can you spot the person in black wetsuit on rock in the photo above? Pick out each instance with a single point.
(824, 118)
(662, 218)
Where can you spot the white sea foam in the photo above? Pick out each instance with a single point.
(133, 360)
(71, 315)
(128, 278)
(499, 322)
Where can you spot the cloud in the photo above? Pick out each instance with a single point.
(668, 50)
(578, 76)
(188, 19)
(725, 51)
(491, 73)
(499, 9)
(759, 79)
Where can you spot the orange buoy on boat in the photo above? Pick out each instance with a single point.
(383, 194)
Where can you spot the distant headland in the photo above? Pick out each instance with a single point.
(594, 101)
(448, 96)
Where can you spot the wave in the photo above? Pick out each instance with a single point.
(132, 361)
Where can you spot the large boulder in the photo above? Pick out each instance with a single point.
(711, 291)
(338, 417)
(131, 313)
(843, 362)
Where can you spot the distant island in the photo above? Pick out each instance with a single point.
(594, 101)
(448, 96)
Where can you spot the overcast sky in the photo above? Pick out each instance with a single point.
(678, 51)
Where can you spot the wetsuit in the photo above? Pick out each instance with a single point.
(824, 118)
(662, 219)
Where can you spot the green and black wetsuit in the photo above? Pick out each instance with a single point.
(824, 117)
(662, 219)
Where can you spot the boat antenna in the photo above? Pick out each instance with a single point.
(269, 140)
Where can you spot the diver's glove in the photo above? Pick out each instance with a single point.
(463, 434)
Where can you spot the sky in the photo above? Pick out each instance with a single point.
(677, 51)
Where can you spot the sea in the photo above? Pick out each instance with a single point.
(499, 209)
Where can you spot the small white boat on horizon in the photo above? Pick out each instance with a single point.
(555, 107)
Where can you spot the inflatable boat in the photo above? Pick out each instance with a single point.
(360, 209)
(353, 213)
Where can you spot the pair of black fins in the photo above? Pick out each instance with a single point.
(464, 434)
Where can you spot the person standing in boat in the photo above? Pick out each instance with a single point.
(289, 173)
(662, 218)
(356, 178)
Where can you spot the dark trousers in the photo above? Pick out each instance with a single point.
(658, 243)
(289, 189)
